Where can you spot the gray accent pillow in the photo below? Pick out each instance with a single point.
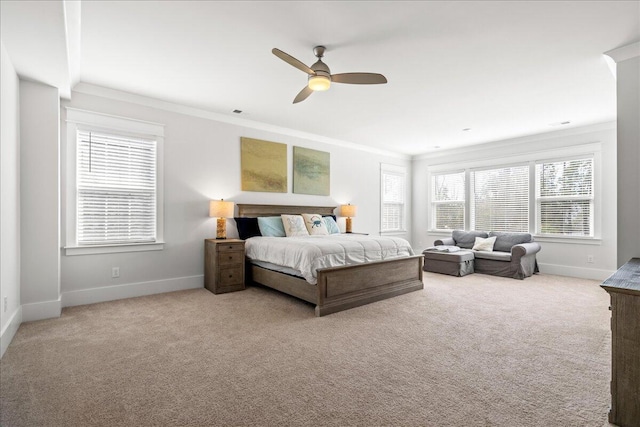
(506, 240)
(466, 239)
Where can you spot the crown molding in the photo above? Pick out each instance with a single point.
(625, 52)
(609, 125)
(104, 92)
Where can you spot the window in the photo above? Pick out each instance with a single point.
(393, 183)
(114, 184)
(552, 198)
(116, 189)
(500, 199)
(448, 201)
(564, 197)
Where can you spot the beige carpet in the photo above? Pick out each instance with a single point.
(472, 351)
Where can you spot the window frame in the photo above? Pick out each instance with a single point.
(591, 198)
(472, 194)
(91, 121)
(433, 203)
(580, 151)
(398, 171)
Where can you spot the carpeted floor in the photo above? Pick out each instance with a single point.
(471, 351)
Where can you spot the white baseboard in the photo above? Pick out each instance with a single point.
(130, 290)
(41, 310)
(579, 272)
(9, 331)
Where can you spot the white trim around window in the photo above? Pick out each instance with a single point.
(78, 123)
(566, 154)
(393, 199)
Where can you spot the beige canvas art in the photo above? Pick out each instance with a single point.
(311, 171)
(263, 165)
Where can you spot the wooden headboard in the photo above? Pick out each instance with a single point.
(254, 211)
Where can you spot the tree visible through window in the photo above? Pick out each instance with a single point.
(501, 199)
(564, 197)
(448, 201)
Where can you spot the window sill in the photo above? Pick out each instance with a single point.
(441, 232)
(568, 240)
(111, 249)
(393, 232)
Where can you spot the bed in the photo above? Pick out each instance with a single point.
(337, 288)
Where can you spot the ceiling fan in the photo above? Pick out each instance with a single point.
(320, 77)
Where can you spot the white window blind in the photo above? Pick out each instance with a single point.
(448, 201)
(564, 197)
(500, 199)
(393, 199)
(116, 189)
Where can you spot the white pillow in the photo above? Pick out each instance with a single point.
(315, 224)
(484, 244)
(294, 225)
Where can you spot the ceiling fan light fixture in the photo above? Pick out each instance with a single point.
(319, 83)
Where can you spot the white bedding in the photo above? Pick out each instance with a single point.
(307, 254)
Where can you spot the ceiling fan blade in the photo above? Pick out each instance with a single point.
(304, 94)
(359, 78)
(291, 60)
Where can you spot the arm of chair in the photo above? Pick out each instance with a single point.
(519, 251)
(446, 241)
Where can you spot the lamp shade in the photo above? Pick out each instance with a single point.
(348, 210)
(220, 209)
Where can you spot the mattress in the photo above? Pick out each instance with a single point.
(303, 256)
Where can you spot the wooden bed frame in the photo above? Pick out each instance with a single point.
(338, 288)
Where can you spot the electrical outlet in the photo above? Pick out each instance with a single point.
(115, 272)
(6, 304)
(590, 259)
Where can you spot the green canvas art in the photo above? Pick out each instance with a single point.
(311, 171)
(263, 166)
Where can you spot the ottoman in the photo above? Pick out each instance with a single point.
(458, 263)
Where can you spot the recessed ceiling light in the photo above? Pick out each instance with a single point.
(466, 129)
(559, 123)
(237, 111)
(436, 146)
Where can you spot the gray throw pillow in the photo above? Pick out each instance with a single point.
(466, 239)
(505, 240)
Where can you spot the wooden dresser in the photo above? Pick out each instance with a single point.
(624, 288)
(224, 265)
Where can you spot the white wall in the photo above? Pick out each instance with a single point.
(39, 201)
(202, 162)
(11, 317)
(628, 89)
(560, 258)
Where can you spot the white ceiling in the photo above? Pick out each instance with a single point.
(503, 69)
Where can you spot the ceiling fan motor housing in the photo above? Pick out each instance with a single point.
(321, 80)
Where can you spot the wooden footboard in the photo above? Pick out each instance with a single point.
(342, 288)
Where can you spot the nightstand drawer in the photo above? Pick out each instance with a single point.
(224, 247)
(231, 275)
(231, 257)
(224, 265)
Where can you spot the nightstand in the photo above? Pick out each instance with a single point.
(360, 234)
(223, 265)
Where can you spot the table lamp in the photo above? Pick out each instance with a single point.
(348, 211)
(221, 210)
